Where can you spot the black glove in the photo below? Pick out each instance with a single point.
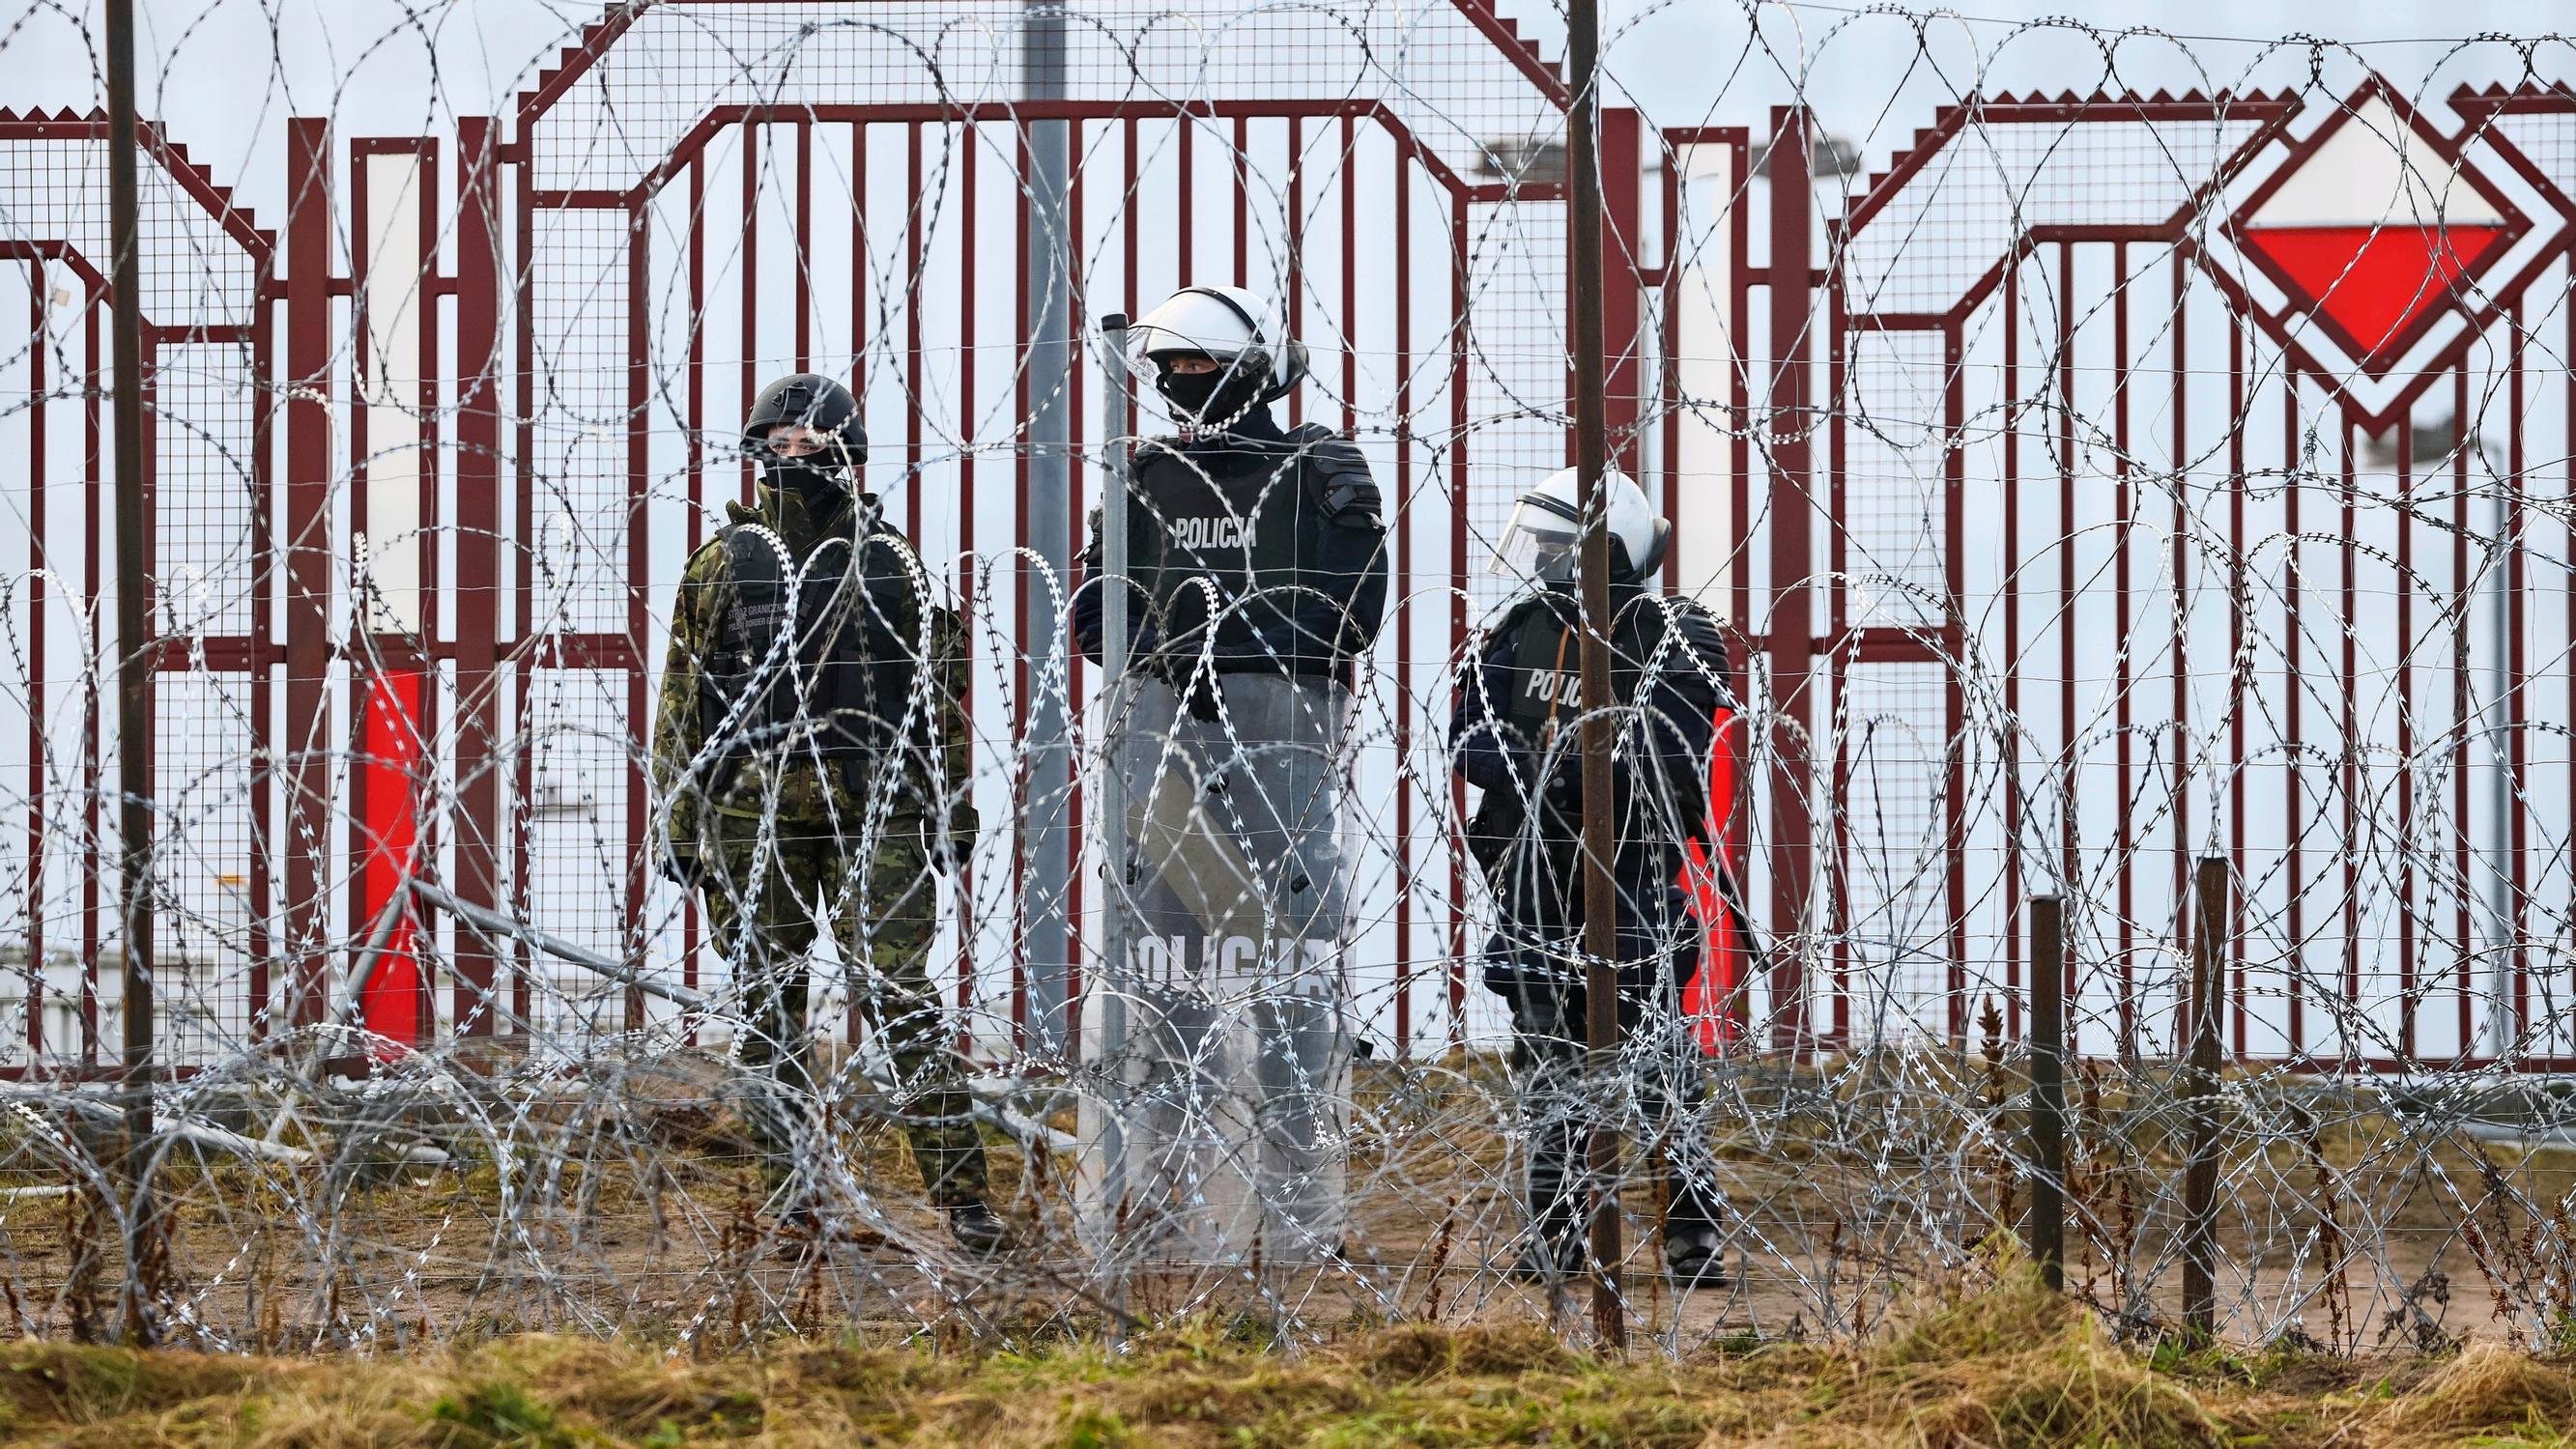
(955, 845)
(683, 869)
(1563, 787)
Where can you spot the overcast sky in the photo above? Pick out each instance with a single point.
(223, 73)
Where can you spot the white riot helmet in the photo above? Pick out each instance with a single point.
(1541, 540)
(1257, 361)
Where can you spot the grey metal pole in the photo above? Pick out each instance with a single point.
(2503, 911)
(134, 667)
(1046, 823)
(1116, 429)
(1592, 457)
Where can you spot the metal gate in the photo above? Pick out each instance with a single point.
(505, 415)
(2151, 508)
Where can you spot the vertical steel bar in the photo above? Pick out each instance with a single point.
(2510, 1009)
(1791, 627)
(2403, 580)
(750, 254)
(369, 703)
(308, 550)
(1403, 570)
(1592, 460)
(2014, 741)
(263, 693)
(1023, 674)
(2064, 612)
(2178, 735)
(2124, 508)
(2463, 654)
(2048, 1089)
(2348, 679)
(93, 706)
(1047, 879)
(136, 662)
(433, 581)
(1116, 432)
(1292, 284)
(695, 401)
(523, 598)
(1954, 703)
(2200, 1081)
(1076, 667)
(39, 753)
(913, 350)
(2292, 808)
(859, 259)
(632, 928)
(968, 139)
(1619, 166)
(1459, 341)
(1843, 658)
(803, 240)
(1241, 159)
(1739, 453)
(2238, 597)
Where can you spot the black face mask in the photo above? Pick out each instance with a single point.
(1190, 392)
(1207, 399)
(808, 478)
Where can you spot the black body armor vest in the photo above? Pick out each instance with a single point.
(1235, 539)
(842, 677)
(1539, 694)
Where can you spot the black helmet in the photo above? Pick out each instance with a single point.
(810, 400)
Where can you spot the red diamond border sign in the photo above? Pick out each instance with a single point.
(2447, 297)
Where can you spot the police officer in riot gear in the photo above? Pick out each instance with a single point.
(1515, 735)
(812, 752)
(1263, 549)
(1257, 579)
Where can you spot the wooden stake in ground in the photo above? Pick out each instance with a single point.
(2048, 1089)
(2202, 1015)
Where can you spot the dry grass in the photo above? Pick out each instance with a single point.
(2004, 1366)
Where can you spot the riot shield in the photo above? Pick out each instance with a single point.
(1217, 1037)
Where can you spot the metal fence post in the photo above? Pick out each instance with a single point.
(1592, 457)
(1046, 916)
(2048, 1089)
(1110, 1030)
(1788, 634)
(137, 660)
(2200, 1101)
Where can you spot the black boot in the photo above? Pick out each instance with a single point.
(978, 1229)
(1695, 1260)
(1551, 1259)
(1694, 1247)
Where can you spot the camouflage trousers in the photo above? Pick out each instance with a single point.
(770, 894)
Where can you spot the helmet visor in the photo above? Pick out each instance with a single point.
(1537, 543)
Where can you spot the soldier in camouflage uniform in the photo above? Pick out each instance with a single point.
(811, 741)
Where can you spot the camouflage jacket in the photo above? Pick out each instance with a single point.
(788, 777)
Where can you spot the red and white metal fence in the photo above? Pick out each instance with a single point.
(2070, 525)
